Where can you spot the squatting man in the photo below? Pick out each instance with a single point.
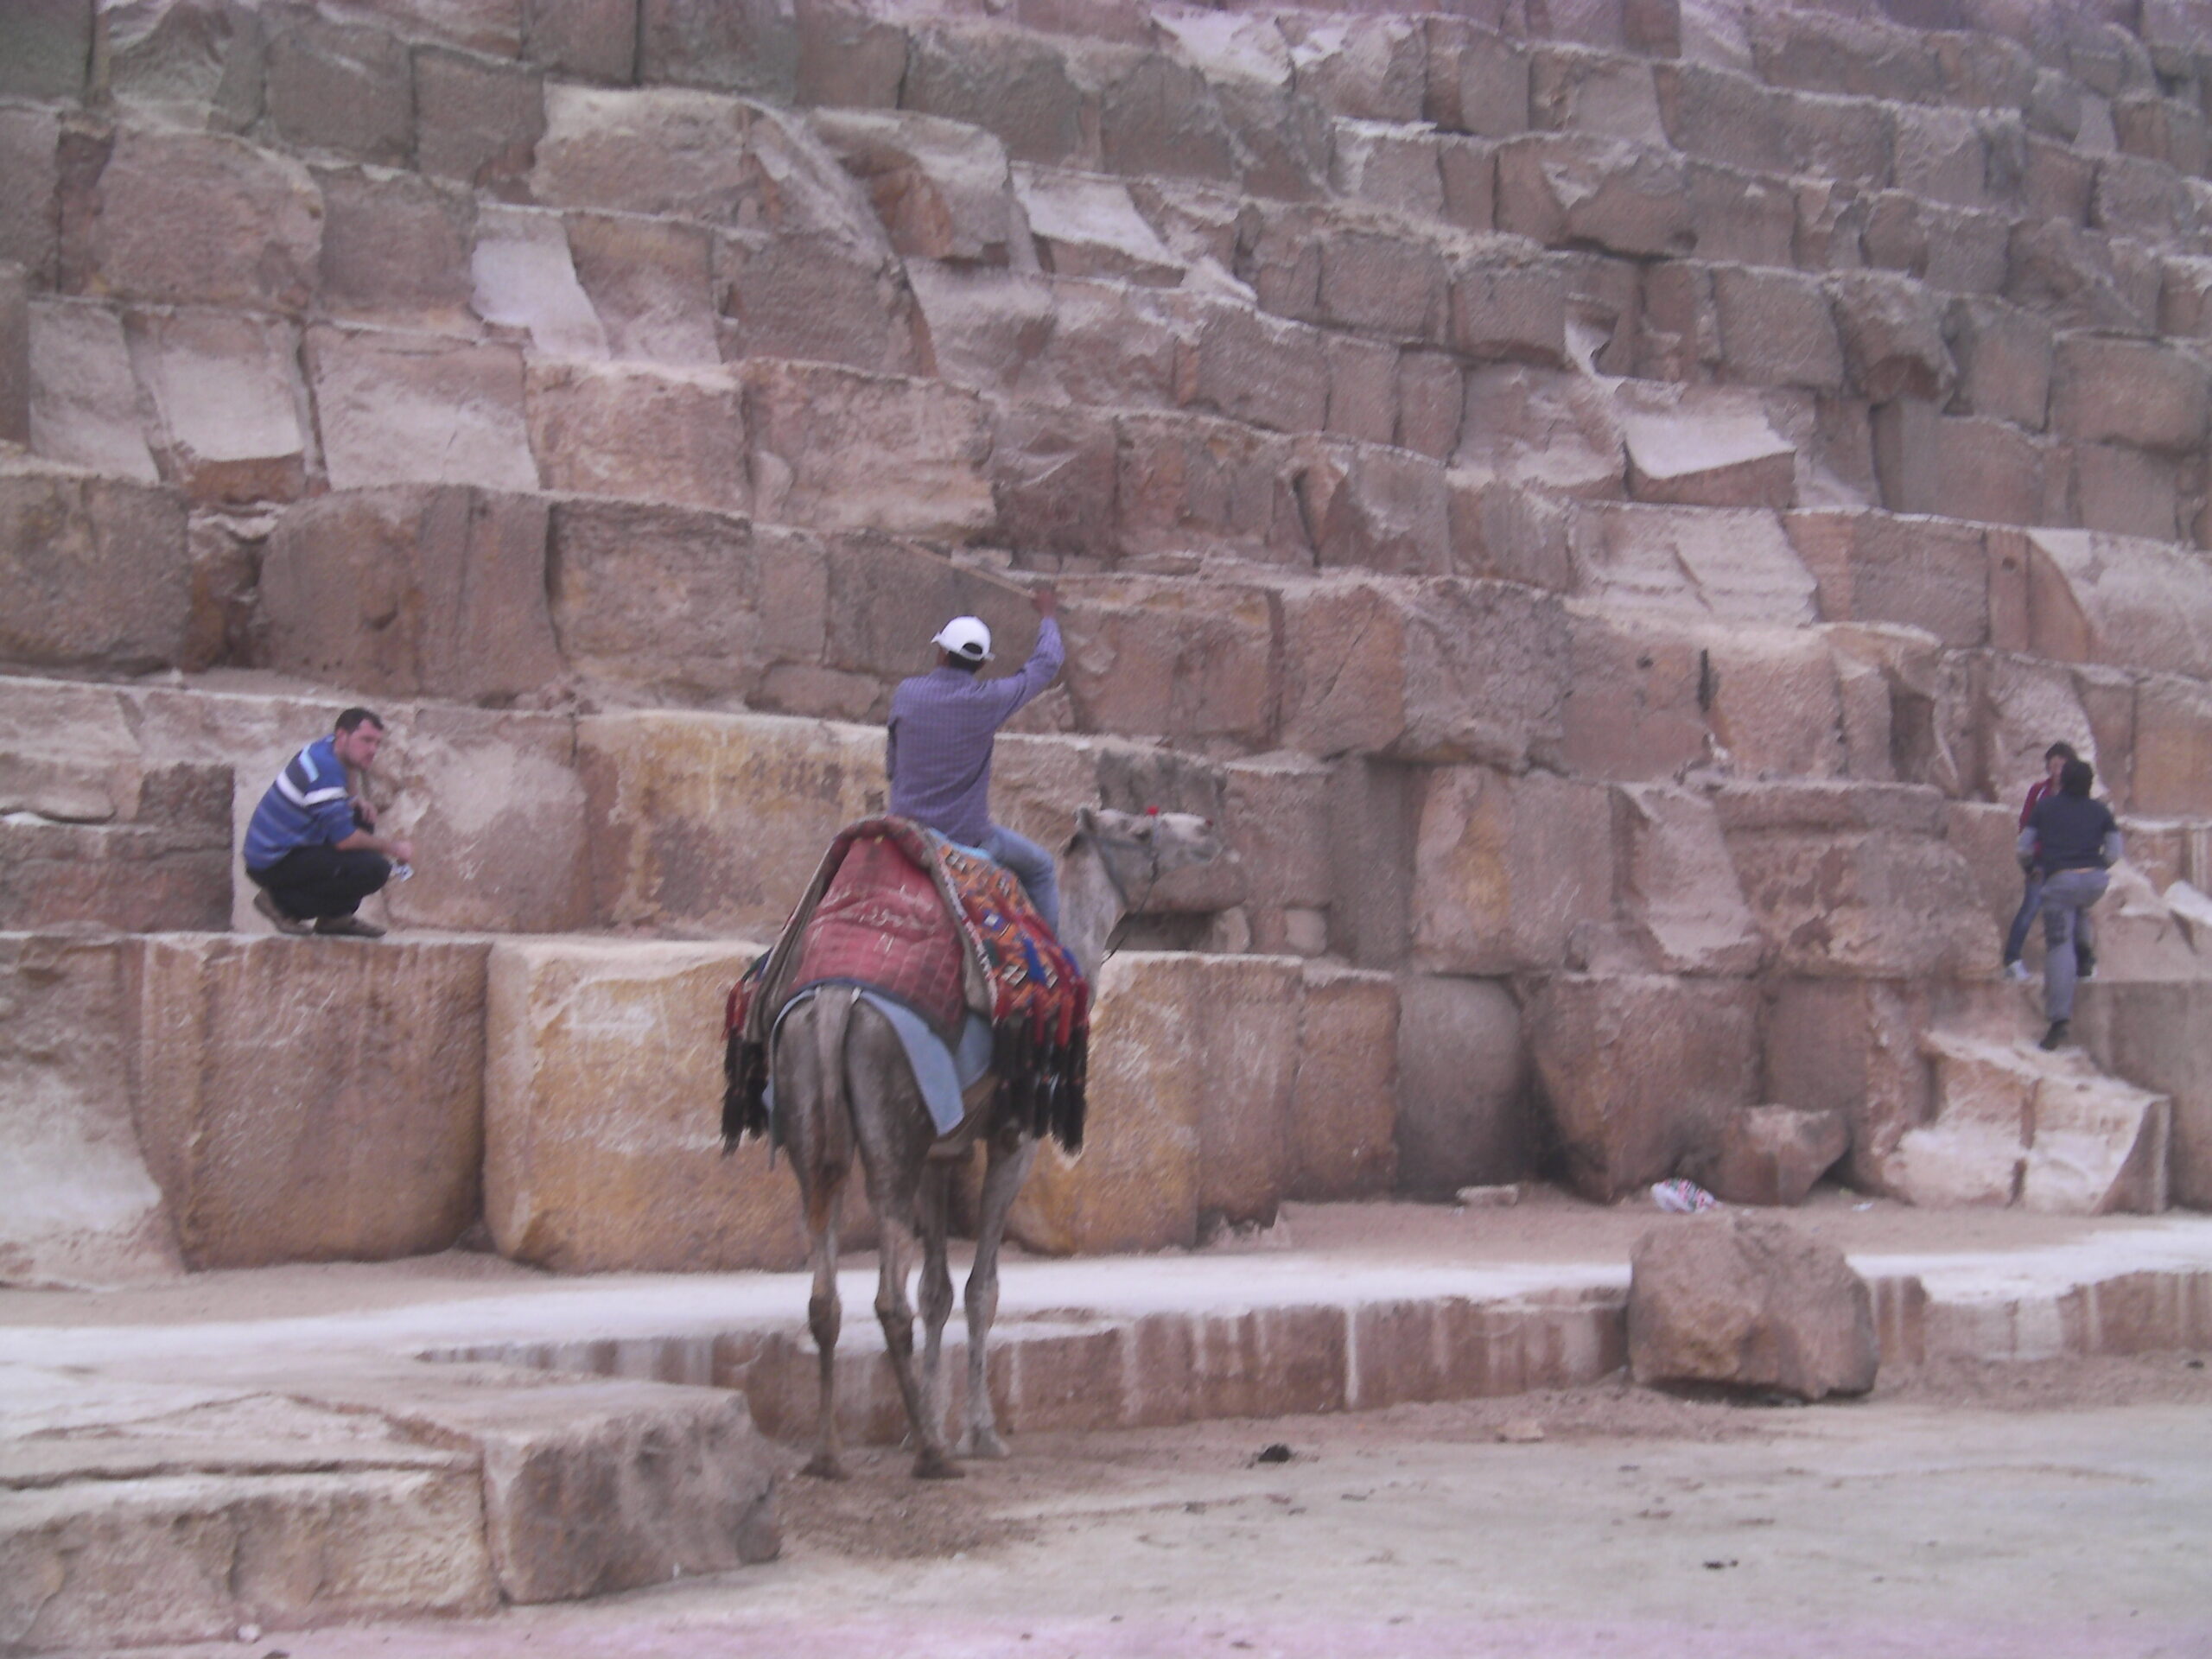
(313, 847)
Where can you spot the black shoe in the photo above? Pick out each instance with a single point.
(2085, 960)
(2055, 1036)
(267, 905)
(347, 927)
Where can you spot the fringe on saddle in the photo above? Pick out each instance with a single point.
(979, 947)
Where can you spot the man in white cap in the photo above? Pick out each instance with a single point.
(944, 725)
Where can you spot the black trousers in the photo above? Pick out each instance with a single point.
(309, 883)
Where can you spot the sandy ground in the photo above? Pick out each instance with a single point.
(2060, 1510)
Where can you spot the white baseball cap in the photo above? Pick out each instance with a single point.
(965, 636)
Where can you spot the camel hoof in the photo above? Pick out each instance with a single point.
(934, 1465)
(822, 1466)
(985, 1444)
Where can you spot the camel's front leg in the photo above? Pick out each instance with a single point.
(1011, 1154)
(936, 1289)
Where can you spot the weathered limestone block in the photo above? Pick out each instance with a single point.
(1773, 1155)
(298, 1102)
(81, 1209)
(1776, 328)
(1748, 1302)
(2155, 1036)
(1344, 1107)
(1775, 699)
(651, 282)
(84, 395)
(190, 1557)
(396, 248)
(1678, 897)
(2126, 492)
(1506, 868)
(1366, 68)
(526, 279)
(1506, 306)
(676, 435)
(1014, 85)
(416, 409)
(942, 190)
(412, 592)
(1477, 80)
(1639, 1073)
(1563, 188)
(226, 394)
(1743, 217)
(847, 59)
(477, 121)
(336, 87)
(1966, 468)
(1892, 337)
(1152, 657)
(95, 570)
(1553, 431)
(1929, 573)
(1252, 367)
(1391, 166)
(1854, 879)
(1381, 509)
(717, 821)
(29, 190)
(2077, 278)
(15, 354)
(195, 64)
(2173, 759)
(166, 866)
(2004, 357)
(2128, 392)
(1189, 483)
(684, 604)
(1697, 452)
(185, 219)
(46, 46)
(2096, 598)
(1137, 1185)
(1462, 1116)
(842, 450)
(1849, 1046)
(697, 155)
(2015, 1125)
(1633, 706)
(1735, 565)
(602, 1116)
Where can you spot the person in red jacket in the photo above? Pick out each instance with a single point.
(2054, 760)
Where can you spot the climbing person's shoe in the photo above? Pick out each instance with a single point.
(2055, 1035)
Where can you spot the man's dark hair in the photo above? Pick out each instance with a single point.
(2061, 752)
(2074, 779)
(954, 659)
(353, 717)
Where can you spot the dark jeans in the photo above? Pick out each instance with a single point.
(2017, 940)
(309, 883)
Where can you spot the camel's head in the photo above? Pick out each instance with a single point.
(1164, 861)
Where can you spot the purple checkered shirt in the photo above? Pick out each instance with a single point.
(938, 751)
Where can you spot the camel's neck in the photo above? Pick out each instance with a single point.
(1089, 908)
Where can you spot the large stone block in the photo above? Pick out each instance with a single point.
(336, 87)
(186, 219)
(1639, 1073)
(1150, 657)
(2096, 598)
(30, 209)
(1748, 1302)
(942, 190)
(1776, 328)
(1892, 337)
(1508, 308)
(602, 1116)
(413, 592)
(2156, 1037)
(226, 392)
(650, 282)
(842, 450)
(1477, 80)
(2004, 357)
(199, 64)
(1926, 573)
(418, 409)
(668, 435)
(477, 121)
(525, 282)
(95, 570)
(1507, 868)
(309, 1099)
(715, 822)
(1634, 708)
(1736, 565)
(2172, 756)
(1381, 509)
(46, 49)
(82, 1208)
(396, 248)
(1189, 483)
(1462, 1115)
(1850, 1046)
(1159, 119)
(1014, 85)
(1773, 1155)
(1573, 187)
(1854, 880)
(2128, 392)
(1678, 897)
(1344, 1108)
(166, 865)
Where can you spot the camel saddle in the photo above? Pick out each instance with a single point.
(900, 910)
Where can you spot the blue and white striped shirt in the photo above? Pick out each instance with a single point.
(308, 806)
(938, 751)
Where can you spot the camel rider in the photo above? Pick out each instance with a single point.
(938, 751)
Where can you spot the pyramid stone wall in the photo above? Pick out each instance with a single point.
(1606, 503)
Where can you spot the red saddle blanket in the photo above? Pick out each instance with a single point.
(899, 909)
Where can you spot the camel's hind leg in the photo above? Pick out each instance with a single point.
(1010, 1157)
(817, 1131)
(894, 1130)
(937, 1285)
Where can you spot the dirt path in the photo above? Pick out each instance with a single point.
(2052, 1510)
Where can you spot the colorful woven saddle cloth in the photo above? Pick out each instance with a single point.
(899, 909)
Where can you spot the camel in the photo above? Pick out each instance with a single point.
(842, 1085)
